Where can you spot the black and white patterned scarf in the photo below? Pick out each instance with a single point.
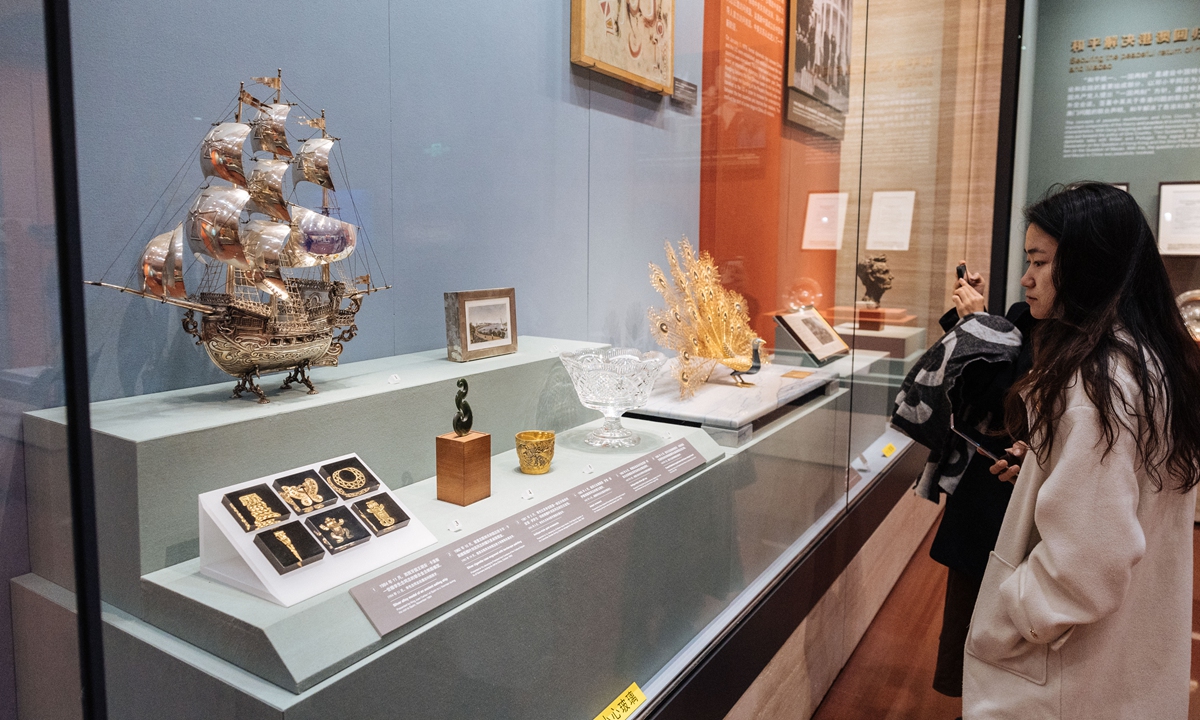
(928, 395)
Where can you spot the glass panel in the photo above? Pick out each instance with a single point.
(926, 192)
(355, 516)
(36, 561)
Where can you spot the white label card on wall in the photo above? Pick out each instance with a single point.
(825, 221)
(1179, 218)
(891, 220)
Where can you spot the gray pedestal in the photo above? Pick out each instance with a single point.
(155, 453)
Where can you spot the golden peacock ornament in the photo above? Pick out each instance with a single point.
(705, 322)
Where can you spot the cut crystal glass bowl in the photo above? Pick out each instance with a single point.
(613, 380)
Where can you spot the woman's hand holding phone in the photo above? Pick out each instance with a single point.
(968, 296)
(1008, 468)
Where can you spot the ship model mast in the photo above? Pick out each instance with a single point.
(276, 294)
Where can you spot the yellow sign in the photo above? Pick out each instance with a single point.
(798, 374)
(625, 704)
(889, 450)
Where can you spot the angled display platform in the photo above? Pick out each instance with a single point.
(155, 453)
(297, 647)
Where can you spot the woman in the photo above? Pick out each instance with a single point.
(1085, 608)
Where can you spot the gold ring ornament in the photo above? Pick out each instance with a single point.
(358, 478)
(350, 481)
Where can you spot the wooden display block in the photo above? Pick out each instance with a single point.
(464, 467)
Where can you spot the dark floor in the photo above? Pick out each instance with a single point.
(888, 677)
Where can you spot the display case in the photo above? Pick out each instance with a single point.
(327, 474)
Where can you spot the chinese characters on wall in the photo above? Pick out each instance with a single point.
(1096, 57)
(1128, 103)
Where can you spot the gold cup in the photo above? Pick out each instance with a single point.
(535, 450)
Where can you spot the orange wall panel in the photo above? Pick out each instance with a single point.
(755, 170)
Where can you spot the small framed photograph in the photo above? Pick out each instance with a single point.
(1121, 186)
(481, 323)
(813, 332)
(1179, 218)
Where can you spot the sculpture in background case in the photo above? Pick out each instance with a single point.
(272, 289)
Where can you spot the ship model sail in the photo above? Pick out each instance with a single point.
(277, 292)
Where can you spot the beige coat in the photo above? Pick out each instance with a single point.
(1086, 605)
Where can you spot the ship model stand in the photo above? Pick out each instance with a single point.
(279, 291)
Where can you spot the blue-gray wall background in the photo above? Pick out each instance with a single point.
(478, 157)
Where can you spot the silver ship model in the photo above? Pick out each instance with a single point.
(277, 292)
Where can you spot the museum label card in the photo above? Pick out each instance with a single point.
(1179, 218)
(399, 596)
(825, 221)
(891, 220)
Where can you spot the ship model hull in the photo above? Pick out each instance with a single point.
(251, 339)
(237, 347)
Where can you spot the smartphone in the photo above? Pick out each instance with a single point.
(961, 270)
(977, 443)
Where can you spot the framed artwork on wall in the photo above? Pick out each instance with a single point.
(818, 46)
(480, 323)
(1179, 218)
(633, 40)
(1121, 186)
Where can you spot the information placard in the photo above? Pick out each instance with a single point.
(825, 221)
(1179, 218)
(400, 595)
(891, 219)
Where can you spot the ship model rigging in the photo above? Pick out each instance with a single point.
(278, 291)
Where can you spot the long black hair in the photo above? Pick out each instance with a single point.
(1113, 305)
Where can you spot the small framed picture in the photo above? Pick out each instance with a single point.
(481, 323)
(1179, 218)
(1121, 186)
(814, 334)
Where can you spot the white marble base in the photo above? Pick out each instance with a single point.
(728, 412)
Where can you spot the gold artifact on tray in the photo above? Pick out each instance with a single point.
(703, 321)
(381, 513)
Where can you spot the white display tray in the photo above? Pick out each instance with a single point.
(720, 403)
(228, 553)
